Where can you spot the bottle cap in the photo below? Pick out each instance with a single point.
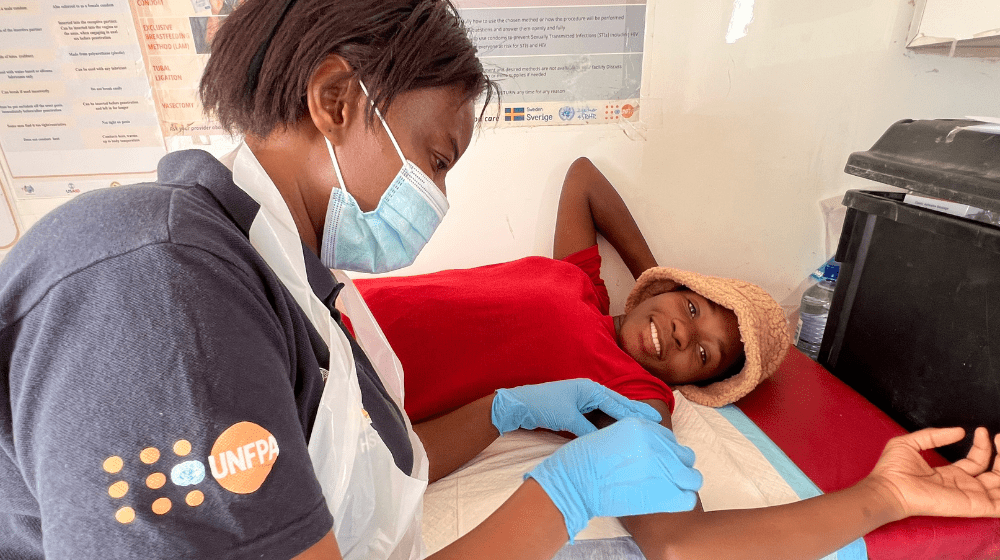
(831, 270)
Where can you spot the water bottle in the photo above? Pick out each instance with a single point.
(815, 309)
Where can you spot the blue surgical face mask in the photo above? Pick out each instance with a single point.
(390, 236)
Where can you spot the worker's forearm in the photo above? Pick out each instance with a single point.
(808, 529)
(528, 526)
(453, 439)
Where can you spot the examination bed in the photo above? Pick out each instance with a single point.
(835, 437)
(800, 433)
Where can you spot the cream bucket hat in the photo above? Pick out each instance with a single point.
(761, 321)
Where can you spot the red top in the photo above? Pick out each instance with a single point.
(462, 334)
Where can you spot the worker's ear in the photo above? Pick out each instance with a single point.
(332, 97)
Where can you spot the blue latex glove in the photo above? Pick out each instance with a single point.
(560, 406)
(632, 467)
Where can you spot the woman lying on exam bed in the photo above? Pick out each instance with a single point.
(714, 339)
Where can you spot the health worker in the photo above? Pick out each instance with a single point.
(179, 378)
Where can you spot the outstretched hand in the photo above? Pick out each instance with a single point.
(966, 488)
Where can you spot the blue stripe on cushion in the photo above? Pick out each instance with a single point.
(796, 479)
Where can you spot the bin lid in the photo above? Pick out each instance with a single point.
(941, 158)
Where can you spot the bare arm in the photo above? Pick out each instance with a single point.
(796, 531)
(528, 526)
(806, 529)
(602, 420)
(588, 205)
(453, 439)
(460, 435)
(900, 485)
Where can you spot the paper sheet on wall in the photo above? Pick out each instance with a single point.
(558, 62)
(176, 37)
(74, 97)
(8, 226)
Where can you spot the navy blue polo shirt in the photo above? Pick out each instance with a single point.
(158, 383)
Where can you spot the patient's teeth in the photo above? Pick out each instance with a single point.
(656, 337)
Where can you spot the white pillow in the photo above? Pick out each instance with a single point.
(737, 475)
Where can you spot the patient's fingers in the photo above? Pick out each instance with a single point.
(991, 479)
(978, 458)
(930, 438)
(996, 462)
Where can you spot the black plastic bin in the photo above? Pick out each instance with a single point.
(915, 319)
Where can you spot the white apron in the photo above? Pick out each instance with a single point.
(376, 507)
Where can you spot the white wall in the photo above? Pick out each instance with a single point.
(743, 140)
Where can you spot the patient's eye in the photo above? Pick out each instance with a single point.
(691, 308)
(704, 355)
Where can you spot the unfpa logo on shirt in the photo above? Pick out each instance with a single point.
(242, 457)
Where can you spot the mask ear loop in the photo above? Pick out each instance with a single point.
(336, 166)
(384, 124)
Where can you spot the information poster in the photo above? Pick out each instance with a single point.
(176, 37)
(560, 64)
(74, 95)
(8, 226)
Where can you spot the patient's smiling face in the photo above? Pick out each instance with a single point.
(681, 337)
